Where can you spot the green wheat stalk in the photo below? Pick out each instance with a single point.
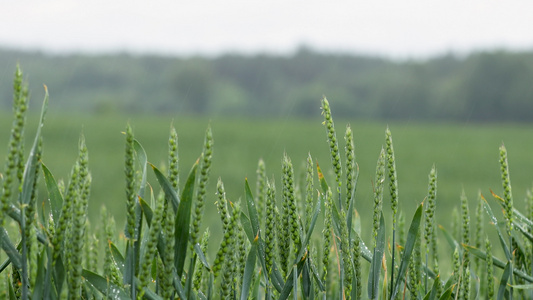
(205, 167)
(77, 228)
(173, 160)
(351, 166)
(150, 247)
(261, 190)
(309, 190)
(465, 282)
(489, 268)
(507, 204)
(226, 285)
(222, 205)
(15, 144)
(289, 198)
(333, 144)
(130, 184)
(378, 194)
(271, 226)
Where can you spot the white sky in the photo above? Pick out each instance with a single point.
(399, 29)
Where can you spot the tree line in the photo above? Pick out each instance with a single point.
(482, 86)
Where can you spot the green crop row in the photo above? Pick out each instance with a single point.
(299, 238)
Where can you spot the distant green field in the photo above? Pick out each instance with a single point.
(466, 155)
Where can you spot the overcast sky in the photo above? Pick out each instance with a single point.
(398, 29)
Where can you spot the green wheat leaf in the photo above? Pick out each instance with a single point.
(523, 230)
(54, 196)
(277, 279)
(432, 294)
(289, 284)
(295, 283)
(147, 210)
(201, 256)
(322, 180)
(523, 286)
(495, 223)
(247, 226)
(306, 280)
(141, 156)
(447, 294)
(309, 231)
(248, 272)
(11, 293)
(449, 238)
(254, 220)
(252, 210)
(170, 193)
(503, 281)
(408, 250)
(183, 218)
(107, 288)
(375, 269)
(31, 164)
(316, 275)
(39, 280)
(117, 256)
(497, 262)
(10, 249)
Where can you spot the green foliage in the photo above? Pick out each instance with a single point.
(483, 86)
(159, 254)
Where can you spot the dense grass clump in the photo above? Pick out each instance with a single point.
(300, 237)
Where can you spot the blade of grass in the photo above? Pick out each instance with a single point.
(303, 248)
(365, 252)
(375, 266)
(28, 183)
(351, 207)
(188, 282)
(497, 262)
(55, 199)
(523, 286)
(177, 285)
(10, 249)
(247, 227)
(495, 223)
(295, 283)
(102, 285)
(277, 279)
(170, 193)
(447, 294)
(316, 275)
(31, 164)
(201, 256)
(289, 284)
(432, 294)
(523, 230)
(141, 156)
(449, 238)
(408, 250)
(11, 292)
(503, 281)
(183, 218)
(248, 272)
(117, 256)
(306, 280)
(254, 220)
(252, 210)
(39, 280)
(14, 213)
(321, 179)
